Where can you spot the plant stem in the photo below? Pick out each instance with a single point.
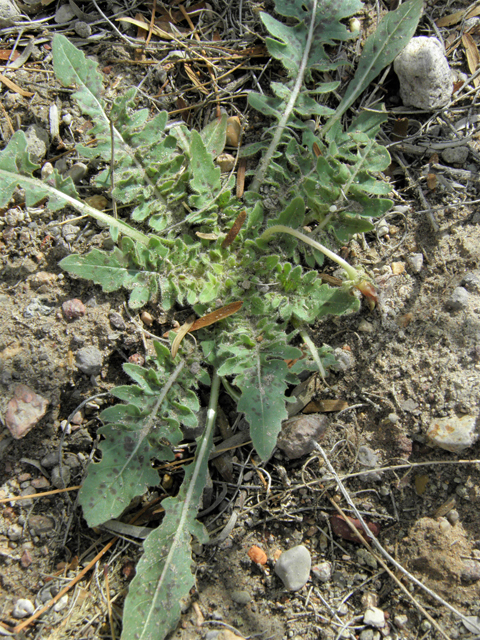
(262, 169)
(352, 273)
(212, 406)
(80, 206)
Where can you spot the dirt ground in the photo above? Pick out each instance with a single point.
(413, 360)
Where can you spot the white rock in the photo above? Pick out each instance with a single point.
(374, 617)
(322, 571)
(425, 77)
(293, 567)
(366, 327)
(23, 608)
(61, 604)
(453, 433)
(400, 621)
(415, 260)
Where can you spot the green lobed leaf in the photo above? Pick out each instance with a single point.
(164, 574)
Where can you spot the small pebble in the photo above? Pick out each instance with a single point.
(458, 299)
(82, 29)
(344, 360)
(73, 309)
(455, 155)
(117, 321)
(70, 232)
(226, 162)
(241, 597)
(366, 634)
(415, 260)
(322, 571)
(425, 78)
(393, 418)
(471, 570)
(366, 558)
(89, 360)
(61, 604)
(50, 460)
(299, 434)
(67, 119)
(454, 433)
(400, 621)
(293, 567)
(14, 217)
(40, 524)
(374, 617)
(453, 517)
(37, 142)
(366, 327)
(233, 131)
(60, 480)
(257, 555)
(24, 410)
(14, 532)
(146, 318)
(471, 281)
(46, 171)
(23, 608)
(77, 172)
(26, 559)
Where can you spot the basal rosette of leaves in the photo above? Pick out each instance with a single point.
(329, 181)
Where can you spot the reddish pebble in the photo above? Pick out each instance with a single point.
(73, 309)
(137, 358)
(40, 483)
(26, 559)
(342, 529)
(257, 555)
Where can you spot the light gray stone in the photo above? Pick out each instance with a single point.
(82, 29)
(453, 434)
(364, 557)
(400, 621)
(60, 480)
(241, 597)
(77, 172)
(374, 617)
(458, 299)
(471, 281)
(471, 570)
(299, 434)
(344, 360)
(322, 571)
(415, 260)
(23, 608)
(425, 77)
(455, 155)
(89, 360)
(14, 532)
(37, 142)
(293, 567)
